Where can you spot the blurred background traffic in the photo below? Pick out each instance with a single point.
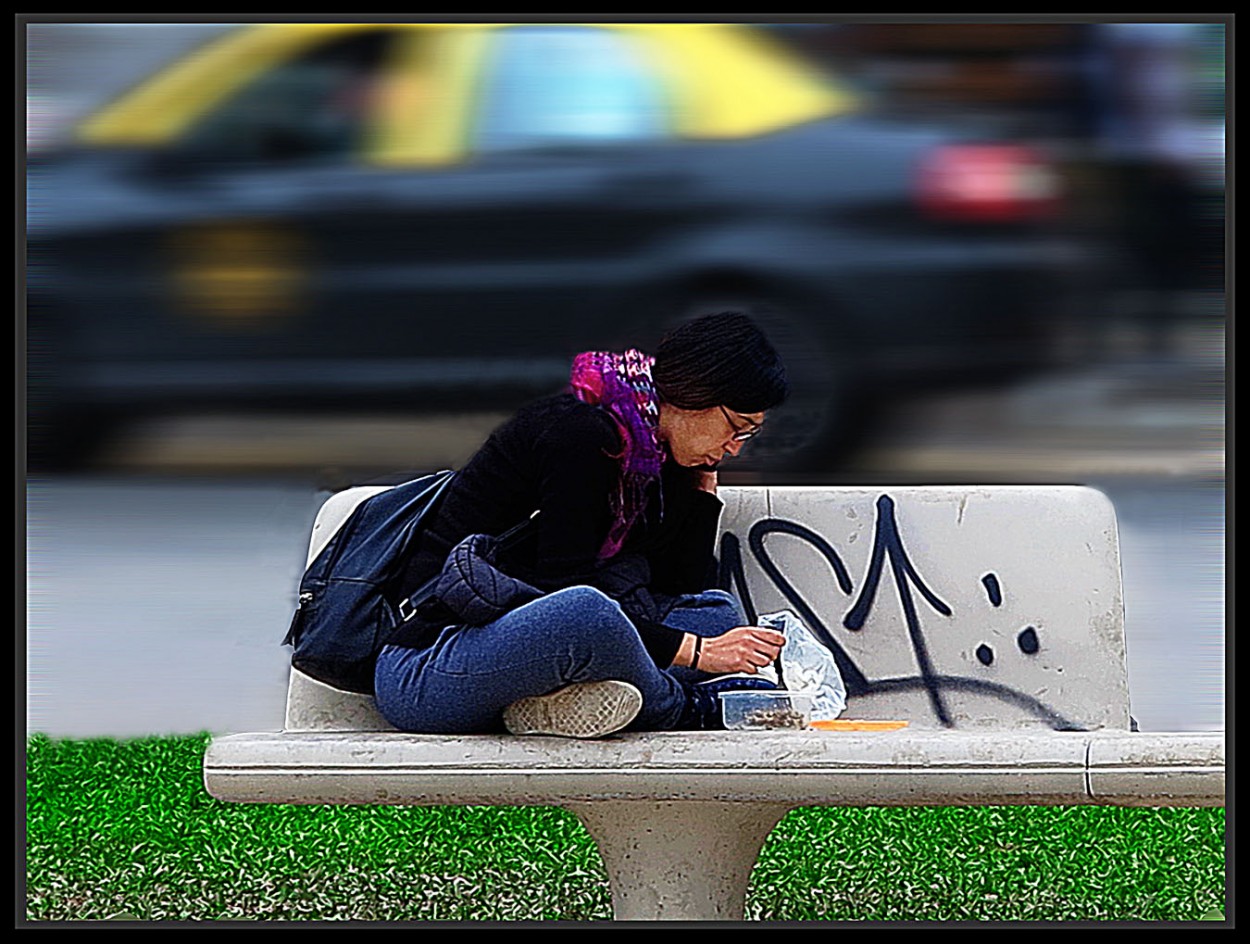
(324, 231)
(270, 260)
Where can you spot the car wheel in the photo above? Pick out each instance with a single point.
(1098, 305)
(62, 433)
(63, 441)
(812, 431)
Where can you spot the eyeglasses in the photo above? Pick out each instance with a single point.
(741, 434)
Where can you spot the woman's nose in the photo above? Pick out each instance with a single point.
(733, 447)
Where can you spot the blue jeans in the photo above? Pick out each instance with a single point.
(462, 682)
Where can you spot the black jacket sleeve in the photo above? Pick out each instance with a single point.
(578, 472)
(686, 561)
(660, 641)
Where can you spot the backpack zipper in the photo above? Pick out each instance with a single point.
(292, 634)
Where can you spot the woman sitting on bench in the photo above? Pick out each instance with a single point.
(622, 471)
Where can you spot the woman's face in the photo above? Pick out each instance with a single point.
(702, 438)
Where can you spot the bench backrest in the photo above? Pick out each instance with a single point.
(947, 606)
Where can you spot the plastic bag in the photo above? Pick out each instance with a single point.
(807, 665)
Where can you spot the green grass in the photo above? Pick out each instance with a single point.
(124, 829)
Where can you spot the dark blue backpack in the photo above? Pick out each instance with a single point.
(349, 596)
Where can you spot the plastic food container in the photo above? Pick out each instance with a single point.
(767, 710)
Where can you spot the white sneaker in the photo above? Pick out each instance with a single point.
(581, 710)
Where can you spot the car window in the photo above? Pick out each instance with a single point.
(553, 85)
(317, 105)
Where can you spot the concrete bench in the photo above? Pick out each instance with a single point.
(989, 618)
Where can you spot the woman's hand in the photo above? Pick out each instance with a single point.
(744, 649)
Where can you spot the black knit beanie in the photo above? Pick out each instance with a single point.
(719, 360)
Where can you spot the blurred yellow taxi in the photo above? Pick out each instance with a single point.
(410, 215)
(426, 81)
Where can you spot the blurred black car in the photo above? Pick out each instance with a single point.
(415, 217)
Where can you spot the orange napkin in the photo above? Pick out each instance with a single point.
(842, 724)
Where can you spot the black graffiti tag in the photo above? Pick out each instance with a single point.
(887, 545)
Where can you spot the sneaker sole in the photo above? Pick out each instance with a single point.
(582, 710)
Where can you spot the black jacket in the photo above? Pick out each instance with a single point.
(556, 456)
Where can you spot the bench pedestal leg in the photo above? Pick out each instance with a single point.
(687, 859)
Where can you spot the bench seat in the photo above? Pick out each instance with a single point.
(989, 618)
(795, 768)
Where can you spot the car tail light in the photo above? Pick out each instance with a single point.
(988, 183)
